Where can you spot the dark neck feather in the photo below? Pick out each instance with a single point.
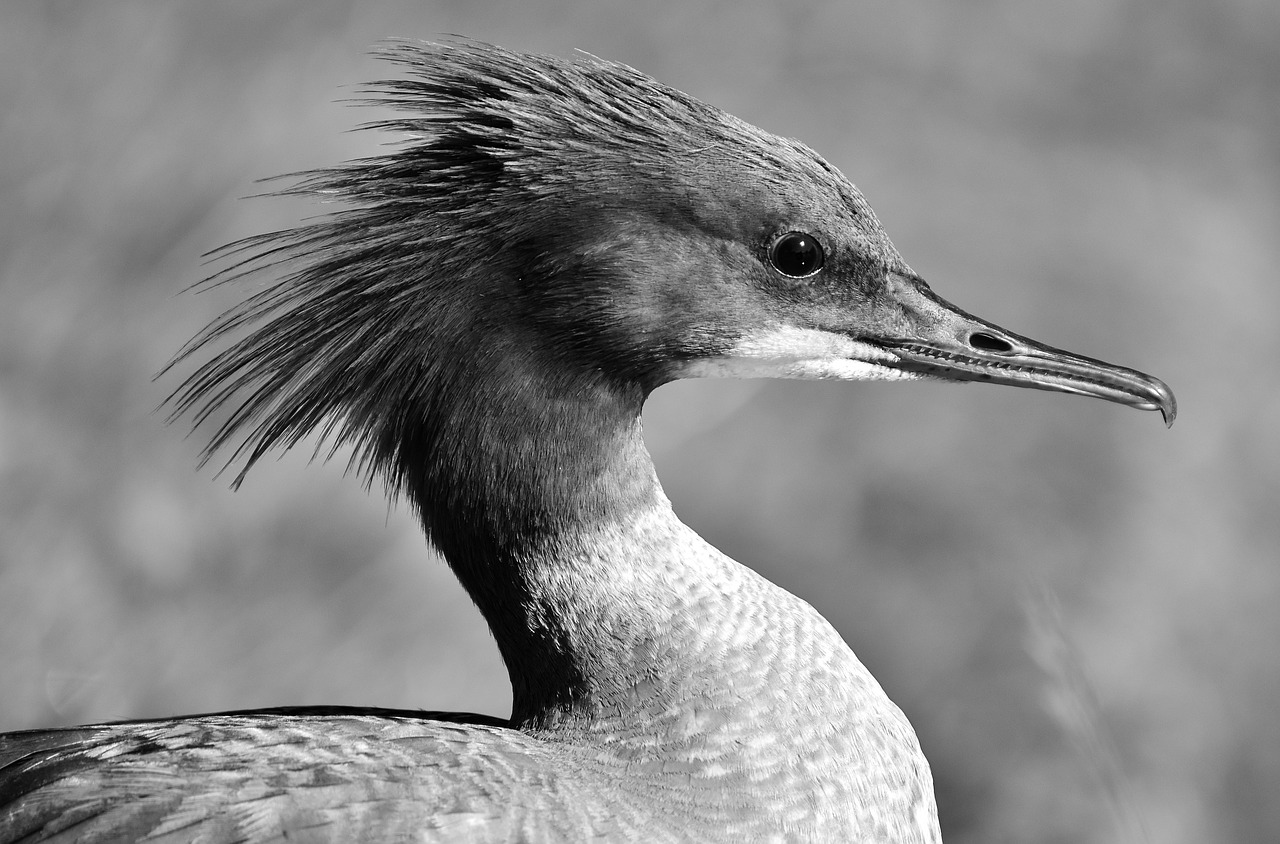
(510, 465)
(513, 453)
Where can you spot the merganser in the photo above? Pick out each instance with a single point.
(482, 322)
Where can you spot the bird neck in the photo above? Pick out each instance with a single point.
(511, 472)
(611, 615)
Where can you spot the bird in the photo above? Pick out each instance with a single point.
(479, 321)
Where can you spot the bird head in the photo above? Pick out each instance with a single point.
(582, 218)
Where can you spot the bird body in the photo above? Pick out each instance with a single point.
(483, 324)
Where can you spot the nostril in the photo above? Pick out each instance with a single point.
(989, 342)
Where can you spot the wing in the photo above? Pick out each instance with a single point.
(298, 775)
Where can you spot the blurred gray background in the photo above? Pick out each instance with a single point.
(1076, 607)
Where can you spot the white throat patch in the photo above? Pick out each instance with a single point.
(790, 352)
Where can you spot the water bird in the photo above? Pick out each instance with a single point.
(481, 322)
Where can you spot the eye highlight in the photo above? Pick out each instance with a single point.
(796, 254)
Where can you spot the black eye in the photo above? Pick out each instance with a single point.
(796, 254)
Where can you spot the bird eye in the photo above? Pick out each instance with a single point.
(796, 254)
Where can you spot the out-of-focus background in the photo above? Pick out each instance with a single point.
(1076, 607)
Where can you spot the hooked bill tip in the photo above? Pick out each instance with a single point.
(1162, 399)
